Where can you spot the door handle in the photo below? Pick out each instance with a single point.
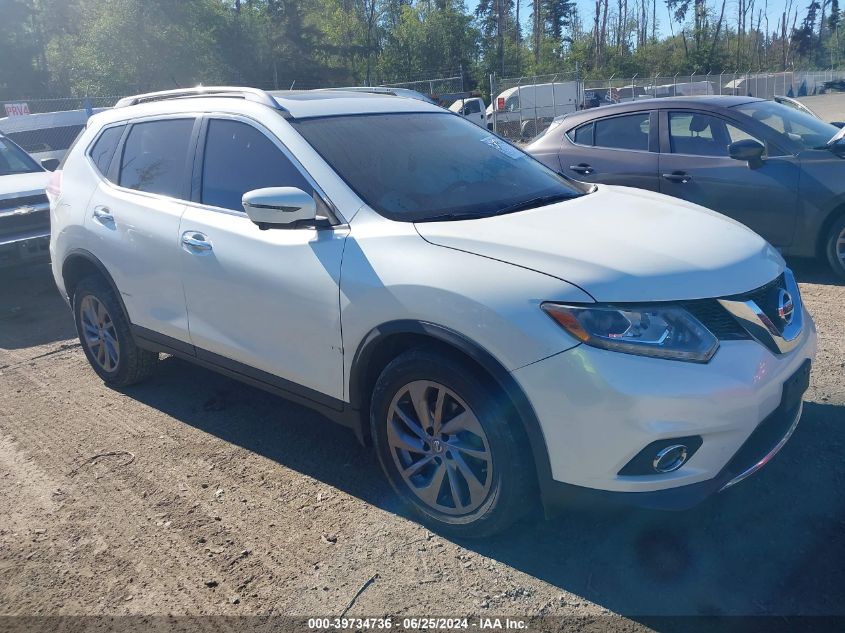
(581, 168)
(678, 176)
(103, 215)
(195, 242)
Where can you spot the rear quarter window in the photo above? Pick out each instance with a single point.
(102, 151)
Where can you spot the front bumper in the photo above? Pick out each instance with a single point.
(24, 247)
(764, 443)
(597, 409)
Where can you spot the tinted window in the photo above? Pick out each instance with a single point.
(800, 127)
(623, 132)
(51, 139)
(697, 134)
(239, 158)
(583, 135)
(13, 160)
(155, 156)
(103, 149)
(424, 166)
(473, 107)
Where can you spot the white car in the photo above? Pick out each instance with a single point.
(24, 209)
(46, 135)
(498, 332)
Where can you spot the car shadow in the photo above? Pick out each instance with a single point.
(775, 544)
(32, 312)
(814, 271)
(771, 545)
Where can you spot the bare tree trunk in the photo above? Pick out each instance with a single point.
(715, 41)
(537, 33)
(603, 39)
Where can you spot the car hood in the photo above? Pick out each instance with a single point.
(622, 244)
(16, 185)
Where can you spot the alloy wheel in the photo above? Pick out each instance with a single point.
(99, 334)
(839, 247)
(439, 448)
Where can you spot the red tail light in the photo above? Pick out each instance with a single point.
(54, 185)
(500, 103)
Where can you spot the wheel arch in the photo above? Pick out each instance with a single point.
(836, 213)
(385, 342)
(79, 264)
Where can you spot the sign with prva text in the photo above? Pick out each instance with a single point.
(16, 109)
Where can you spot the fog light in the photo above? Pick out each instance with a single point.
(670, 458)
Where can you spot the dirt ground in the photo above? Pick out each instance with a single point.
(194, 494)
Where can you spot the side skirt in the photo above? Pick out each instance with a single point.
(336, 410)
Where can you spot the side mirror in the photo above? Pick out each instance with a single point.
(747, 150)
(839, 124)
(282, 207)
(50, 164)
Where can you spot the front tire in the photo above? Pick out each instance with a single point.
(835, 247)
(450, 446)
(107, 341)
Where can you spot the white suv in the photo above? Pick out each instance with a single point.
(500, 333)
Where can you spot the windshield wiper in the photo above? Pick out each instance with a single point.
(531, 203)
(539, 201)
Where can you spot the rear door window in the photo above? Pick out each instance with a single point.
(155, 157)
(623, 132)
(239, 158)
(104, 147)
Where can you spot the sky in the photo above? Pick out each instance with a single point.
(587, 9)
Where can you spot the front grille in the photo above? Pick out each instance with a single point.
(12, 224)
(766, 297)
(23, 201)
(716, 319)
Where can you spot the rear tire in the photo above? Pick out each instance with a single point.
(448, 442)
(107, 341)
(835, 247)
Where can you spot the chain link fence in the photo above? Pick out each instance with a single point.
(521, 107)
(444, 90)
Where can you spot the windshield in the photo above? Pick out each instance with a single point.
(13, 160)
(415, 167)
(800, 127)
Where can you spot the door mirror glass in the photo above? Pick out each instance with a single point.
(50, 164)
(747, 150)
(279, 207)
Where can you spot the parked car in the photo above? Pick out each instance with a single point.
(45, 135)
(524, 111)
(777, 170)
(472, 109)
(496, 330)
(24, 210)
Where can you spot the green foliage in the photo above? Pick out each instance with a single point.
(112, 47)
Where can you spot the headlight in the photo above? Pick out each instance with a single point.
(660, 331)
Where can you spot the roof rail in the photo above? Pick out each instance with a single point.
(250, 94)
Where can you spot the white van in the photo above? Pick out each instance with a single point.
(46, 135)
(471, 108)
(525, 111)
